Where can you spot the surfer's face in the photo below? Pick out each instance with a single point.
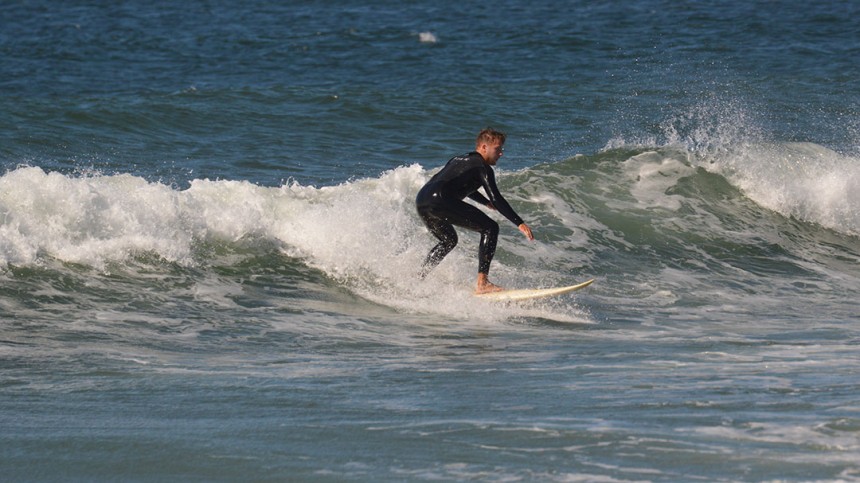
(491, 152)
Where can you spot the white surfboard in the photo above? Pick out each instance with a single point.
(531, 293)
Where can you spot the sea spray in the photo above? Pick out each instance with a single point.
(804, 180)
(801, 180)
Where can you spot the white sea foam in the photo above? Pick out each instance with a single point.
(653, 174)
(95, 219)
(803, 180)
(364, 233)
(833, 446)
(427, 38)
(88, 219)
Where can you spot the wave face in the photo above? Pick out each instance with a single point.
(630, 212)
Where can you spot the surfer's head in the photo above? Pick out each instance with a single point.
(490, 144)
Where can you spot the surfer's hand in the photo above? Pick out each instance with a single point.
(526, 231)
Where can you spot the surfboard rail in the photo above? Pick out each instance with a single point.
(516, 295)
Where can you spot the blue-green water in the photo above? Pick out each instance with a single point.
(208, 242)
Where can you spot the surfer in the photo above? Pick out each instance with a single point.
(440, 205)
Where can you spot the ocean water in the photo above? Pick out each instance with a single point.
(208, 243)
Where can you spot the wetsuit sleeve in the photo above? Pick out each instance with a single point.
(496, 198)
(479, 198)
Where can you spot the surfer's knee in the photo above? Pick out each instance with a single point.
(449, 241)
(490, 231)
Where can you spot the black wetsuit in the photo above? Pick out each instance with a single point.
(440, 204)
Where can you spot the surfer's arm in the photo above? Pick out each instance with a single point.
(480, 199)
(497, 200)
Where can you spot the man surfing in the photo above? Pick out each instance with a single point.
(440, 205)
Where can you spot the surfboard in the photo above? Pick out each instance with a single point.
(531, 293)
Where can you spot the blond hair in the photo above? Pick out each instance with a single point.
(490, 136)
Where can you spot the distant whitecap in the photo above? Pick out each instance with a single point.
(427, 38)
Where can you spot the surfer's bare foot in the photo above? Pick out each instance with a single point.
(485, 286)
